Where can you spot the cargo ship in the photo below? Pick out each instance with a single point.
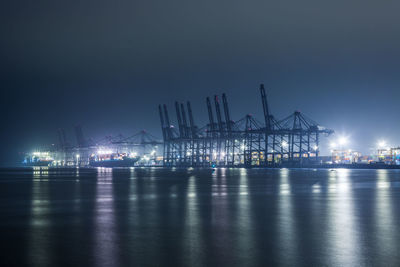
(110, 160)
(37, 159)
(38, 163)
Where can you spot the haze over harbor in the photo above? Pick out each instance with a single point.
(208, 133)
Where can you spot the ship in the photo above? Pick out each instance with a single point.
(112, 160)
(38, 159)
(37, 163)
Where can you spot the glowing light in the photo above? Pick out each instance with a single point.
(43, 154)
(315, 148)
(381, 144)
(284, 144)
(153, 152)
(316, 188)
(343, 140)
(104, 152)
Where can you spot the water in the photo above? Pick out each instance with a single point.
(187, 217)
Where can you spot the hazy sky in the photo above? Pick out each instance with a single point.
(108, 64)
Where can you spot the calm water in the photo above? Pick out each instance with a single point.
(227, 217)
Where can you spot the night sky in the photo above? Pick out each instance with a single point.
(107, 65)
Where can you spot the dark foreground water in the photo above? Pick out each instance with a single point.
(227, 217)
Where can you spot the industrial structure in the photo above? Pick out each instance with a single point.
(389, 155)
(142, 145)
(223, 142)
(246, 142)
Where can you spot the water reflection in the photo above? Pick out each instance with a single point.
(192, 235)
(106, 245)
(286, 222)
(39, 225)
(384, 220)
(220, 217)
(343, 231)
(244, 226)
(226, 217)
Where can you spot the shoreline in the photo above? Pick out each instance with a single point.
(358, 166)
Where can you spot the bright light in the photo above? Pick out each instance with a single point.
(104, 152)
(222, 154)
(41, 153)
(333, 145)
(243, 147)
(343, 141)
(381, 144)
(153, 152)
(284, 144)
(77, 156)
(315, 148)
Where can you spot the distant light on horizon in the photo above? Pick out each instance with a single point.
(343, 140)
(382, 144)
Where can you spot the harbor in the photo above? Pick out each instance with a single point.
(293, 141)
(199, 133)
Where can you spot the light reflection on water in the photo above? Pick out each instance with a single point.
(204, 217)
(39, 219)
(385, 223)
(192, 237)
(343, 233)
(244, 226)
(105, 239)
(286, 220)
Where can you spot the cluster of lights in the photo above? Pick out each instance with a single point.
(40, 154)
(341, 141)
(344, 141)
(104, 152)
